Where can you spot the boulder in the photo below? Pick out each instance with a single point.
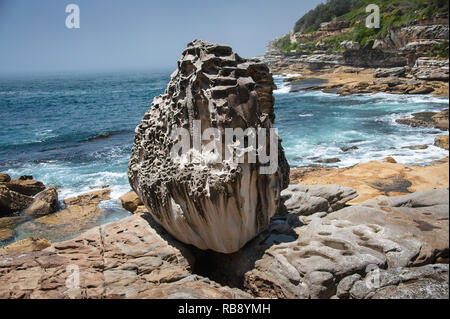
(4, 178)
(25, 185)
(390, 159)
(307, 200)
(81, 213)
(383, 73)
(44, 203)
(442, 142)
(193, 194)
(11, 201)
(350, 148)
(131, 201)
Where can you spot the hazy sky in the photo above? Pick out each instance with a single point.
(134, 34)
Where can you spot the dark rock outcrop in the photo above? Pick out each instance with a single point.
(193, 200)
(25, 185)
(442, 142)
(11, 201)
(427, 119)
(4, 178)
(44, 203)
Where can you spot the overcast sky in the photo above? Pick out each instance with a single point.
(134, 34)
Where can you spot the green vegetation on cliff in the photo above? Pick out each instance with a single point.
(394, 13)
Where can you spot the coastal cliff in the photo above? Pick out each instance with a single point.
(407, 54)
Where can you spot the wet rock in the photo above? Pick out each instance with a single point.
(25, 185)
(125, 259)
(131, 201)
(6, 234)
(11, 201)
(417, 147)
(427, 119)
(81, 213)
(26, 245)
(194, 200)
(441, 141)
(350, 148)
(11, 221)
(390, 159)
(44, 203)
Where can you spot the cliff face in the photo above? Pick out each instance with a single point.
(407, 32)
(217, 205)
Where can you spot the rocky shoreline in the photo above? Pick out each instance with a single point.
(373, 230)
(345, 80)
(316, 246)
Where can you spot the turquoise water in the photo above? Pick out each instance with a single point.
(77, 131)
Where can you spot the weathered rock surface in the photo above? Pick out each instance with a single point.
(26, 245)
(431, 70)
(383, 73)
(442, 142)
(6, 234)
(25, 185)
(91, 198)
(81, 213)
(4, 178)
(195, 201)
(377, 179)
(125, 259)
(307, 200)
(11, 201)
(44, 203)
(427, 119)
(384, 249)
(328, 255)
(131, 201)
(425, 282)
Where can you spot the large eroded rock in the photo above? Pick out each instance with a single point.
(210, 204)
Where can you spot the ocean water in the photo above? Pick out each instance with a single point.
(77, 131)
(315, 126)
